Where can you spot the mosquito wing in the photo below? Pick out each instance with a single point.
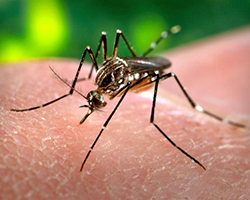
(147, 64)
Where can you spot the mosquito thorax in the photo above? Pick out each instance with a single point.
(95, 99)
(112, 75)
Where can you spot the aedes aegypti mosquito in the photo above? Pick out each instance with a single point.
(118, 75)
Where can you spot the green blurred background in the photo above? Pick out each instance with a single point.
(60, 28)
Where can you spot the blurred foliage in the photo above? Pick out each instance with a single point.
(52, 28)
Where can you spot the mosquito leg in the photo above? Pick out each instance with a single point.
(164, 34)
(41, 106)
(158, 128)
(118, 34)
(72, 88)
(197, 107)
(105, 125)
(103, 41)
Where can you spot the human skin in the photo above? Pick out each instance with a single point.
(41, 151)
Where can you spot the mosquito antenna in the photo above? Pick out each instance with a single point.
(67, 83)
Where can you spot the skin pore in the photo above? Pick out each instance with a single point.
(41, 151)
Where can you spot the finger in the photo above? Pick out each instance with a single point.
(131, 158)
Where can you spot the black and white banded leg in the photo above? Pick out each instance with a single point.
(196, 106)
(164, 34)
(103, 42)
(161, 131)
(118, 34)
(72, 87)
(127, 87)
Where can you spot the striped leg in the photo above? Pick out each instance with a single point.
(104, 126)
(118, 34)
(158, 128)
(103, 42)
(164, 34)
(72, 87)
(196, 106)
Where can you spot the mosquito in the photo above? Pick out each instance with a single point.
(116, 76)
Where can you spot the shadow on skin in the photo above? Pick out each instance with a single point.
(42, 150)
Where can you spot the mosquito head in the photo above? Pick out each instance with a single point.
(96, 101)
